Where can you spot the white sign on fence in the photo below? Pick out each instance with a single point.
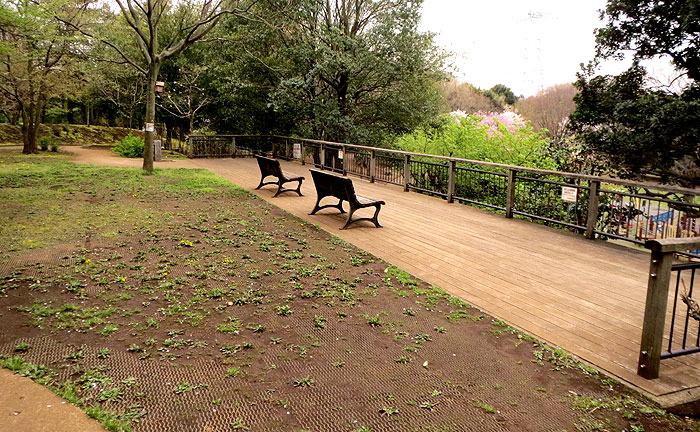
(340, 154)
(569, 194)
(296, 151)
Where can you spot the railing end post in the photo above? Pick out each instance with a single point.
(654, 314)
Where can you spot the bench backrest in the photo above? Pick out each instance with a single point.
(269, 166)
(328, 184)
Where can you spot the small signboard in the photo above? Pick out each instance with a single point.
(569, 194)
(340, 154)
(296, 151)
(150, 127)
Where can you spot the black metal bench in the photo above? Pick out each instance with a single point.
(271, 167)
(330, 185)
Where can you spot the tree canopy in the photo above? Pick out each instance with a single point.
(636, 129)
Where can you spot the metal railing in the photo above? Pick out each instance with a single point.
(592, 205)
(683, 334)
(681, 326)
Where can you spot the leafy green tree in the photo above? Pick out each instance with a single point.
(652, 28)
(34, 63)
(495, 138)
(501, 95)
(636, 129)
(352, 70)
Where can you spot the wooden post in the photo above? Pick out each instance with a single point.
(657, 301)
(322, 155)
(372, 165)
(406, 172)
(593, 199)
(451, 182)
(286, 149)
(510, 193)
(345, 161)
(301, 152)
(233, 147)
(654, 315)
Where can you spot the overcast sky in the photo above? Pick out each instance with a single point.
(527, 45)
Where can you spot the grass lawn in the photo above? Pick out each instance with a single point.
(178, 301)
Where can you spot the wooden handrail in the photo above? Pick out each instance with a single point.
(602, 179)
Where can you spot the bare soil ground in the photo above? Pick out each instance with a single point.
(205, 308)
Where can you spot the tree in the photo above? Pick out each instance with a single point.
(640, 131)
(356, 70)
(501, 95)
(35, 49)
(8, 108)
(549, 110)
(493, 137)
(636, 129)
(652, 28)
(159, 30)
(187, 98)
(124, 88)
(465, 97)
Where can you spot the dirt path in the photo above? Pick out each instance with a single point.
(27, 406)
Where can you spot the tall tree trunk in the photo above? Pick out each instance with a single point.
(150, 116)
(31, 119)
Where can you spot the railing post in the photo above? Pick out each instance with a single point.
(345, 163)
(322, 155)
(655, 314)
(372, 165)
(657, 301)
(233, 147)
(406, 172)
(301, 152)
(593, 199)
(451, 182)
(286, 149)
(510, 193)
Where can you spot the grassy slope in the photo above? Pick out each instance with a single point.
(69, 134)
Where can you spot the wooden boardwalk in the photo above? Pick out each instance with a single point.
(584, 296)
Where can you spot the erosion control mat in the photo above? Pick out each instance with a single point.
(217, 311)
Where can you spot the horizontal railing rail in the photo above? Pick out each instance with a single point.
(596, 206)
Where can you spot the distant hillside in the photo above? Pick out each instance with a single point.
(69, 134)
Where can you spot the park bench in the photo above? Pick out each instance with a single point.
(271, 167)
(330, 185)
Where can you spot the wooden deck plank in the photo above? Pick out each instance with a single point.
(585, 296)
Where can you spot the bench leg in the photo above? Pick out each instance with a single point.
(349, 220)
(376, 213)
(280, 189)
(318, 207)
(373, 219)
(299, 187)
